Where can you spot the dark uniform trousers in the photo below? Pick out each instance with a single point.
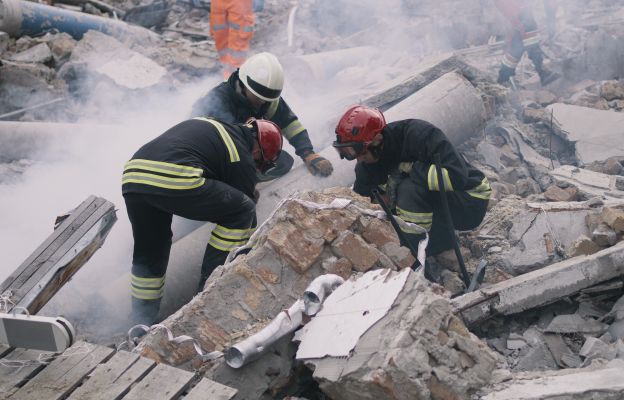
(418, 201)
(151, 216)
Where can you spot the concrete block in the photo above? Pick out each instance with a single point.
(614, 217)
(583, 246)
(604, 236)
(555, 193)
(38, 54)
(300, 253)
(356, 250)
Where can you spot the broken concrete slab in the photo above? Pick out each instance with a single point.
(99, 56)
(574, 323)
(595, 133)
(536, 356)
(539, 238)
(416, 350)
(542, 286)
(594, 348)
(450, 102)
(590, 183)
(597, 383)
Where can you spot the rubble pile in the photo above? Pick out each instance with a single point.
(552, 299)
(254, 287)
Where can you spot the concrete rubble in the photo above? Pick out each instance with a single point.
(552, 299)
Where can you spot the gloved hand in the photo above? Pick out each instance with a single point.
(318, 165)
(256, 196)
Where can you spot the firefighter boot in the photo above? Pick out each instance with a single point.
(546, 76)
(145, 312)
(504, 74)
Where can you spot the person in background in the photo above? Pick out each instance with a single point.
(523, 35)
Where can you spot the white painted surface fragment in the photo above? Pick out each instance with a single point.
(349, 312)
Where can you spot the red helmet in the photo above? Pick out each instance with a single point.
(270, 140)
(356, 129)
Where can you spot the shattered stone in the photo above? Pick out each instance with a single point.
(589, 183)
(447, 259)
(526, 187)
(515, 342)
(604, 236)
(588, 99)
(535, 356)
(560, 351)
(451, 282)
(301, 253)
(583, 246)
(593, 221)
(555, 193)
(356, 250)
(338, 266)
(614, 217)
(39, 54)
(594, 348)
(574, 323)
(416, 349)
(612, 90)
(513, 175)
(610, 166)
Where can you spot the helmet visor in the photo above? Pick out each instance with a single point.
(349, 151)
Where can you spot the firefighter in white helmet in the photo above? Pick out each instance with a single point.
(254, 90)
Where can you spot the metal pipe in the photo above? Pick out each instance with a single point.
(19, 18)
(318, 290)
(284, 323)
(253, 347)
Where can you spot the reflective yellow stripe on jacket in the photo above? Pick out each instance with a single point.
(162, 174)
(293, 129)
(432, 179)
(483, 191)
(424, 219)
(225, 136)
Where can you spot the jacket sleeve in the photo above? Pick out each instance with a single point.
(368, 177)
(423, 140)
(291, 128)
(212, 105)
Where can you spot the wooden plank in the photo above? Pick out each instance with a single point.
(61, 255)
(162, 383)
(112, 380)
(17, 367)
(46, 249)
(65, 242)
(64, 374)
(207, 389)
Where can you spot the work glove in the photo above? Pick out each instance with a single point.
(256, 196)
(318, 165)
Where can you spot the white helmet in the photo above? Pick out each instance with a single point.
(263, 75)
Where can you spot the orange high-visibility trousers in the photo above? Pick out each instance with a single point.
(231, 26)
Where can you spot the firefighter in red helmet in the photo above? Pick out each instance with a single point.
(201, 169)
(398, 159)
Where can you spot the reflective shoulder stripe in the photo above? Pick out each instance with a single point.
(293, 129)
(272, 109)
(225, 136)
